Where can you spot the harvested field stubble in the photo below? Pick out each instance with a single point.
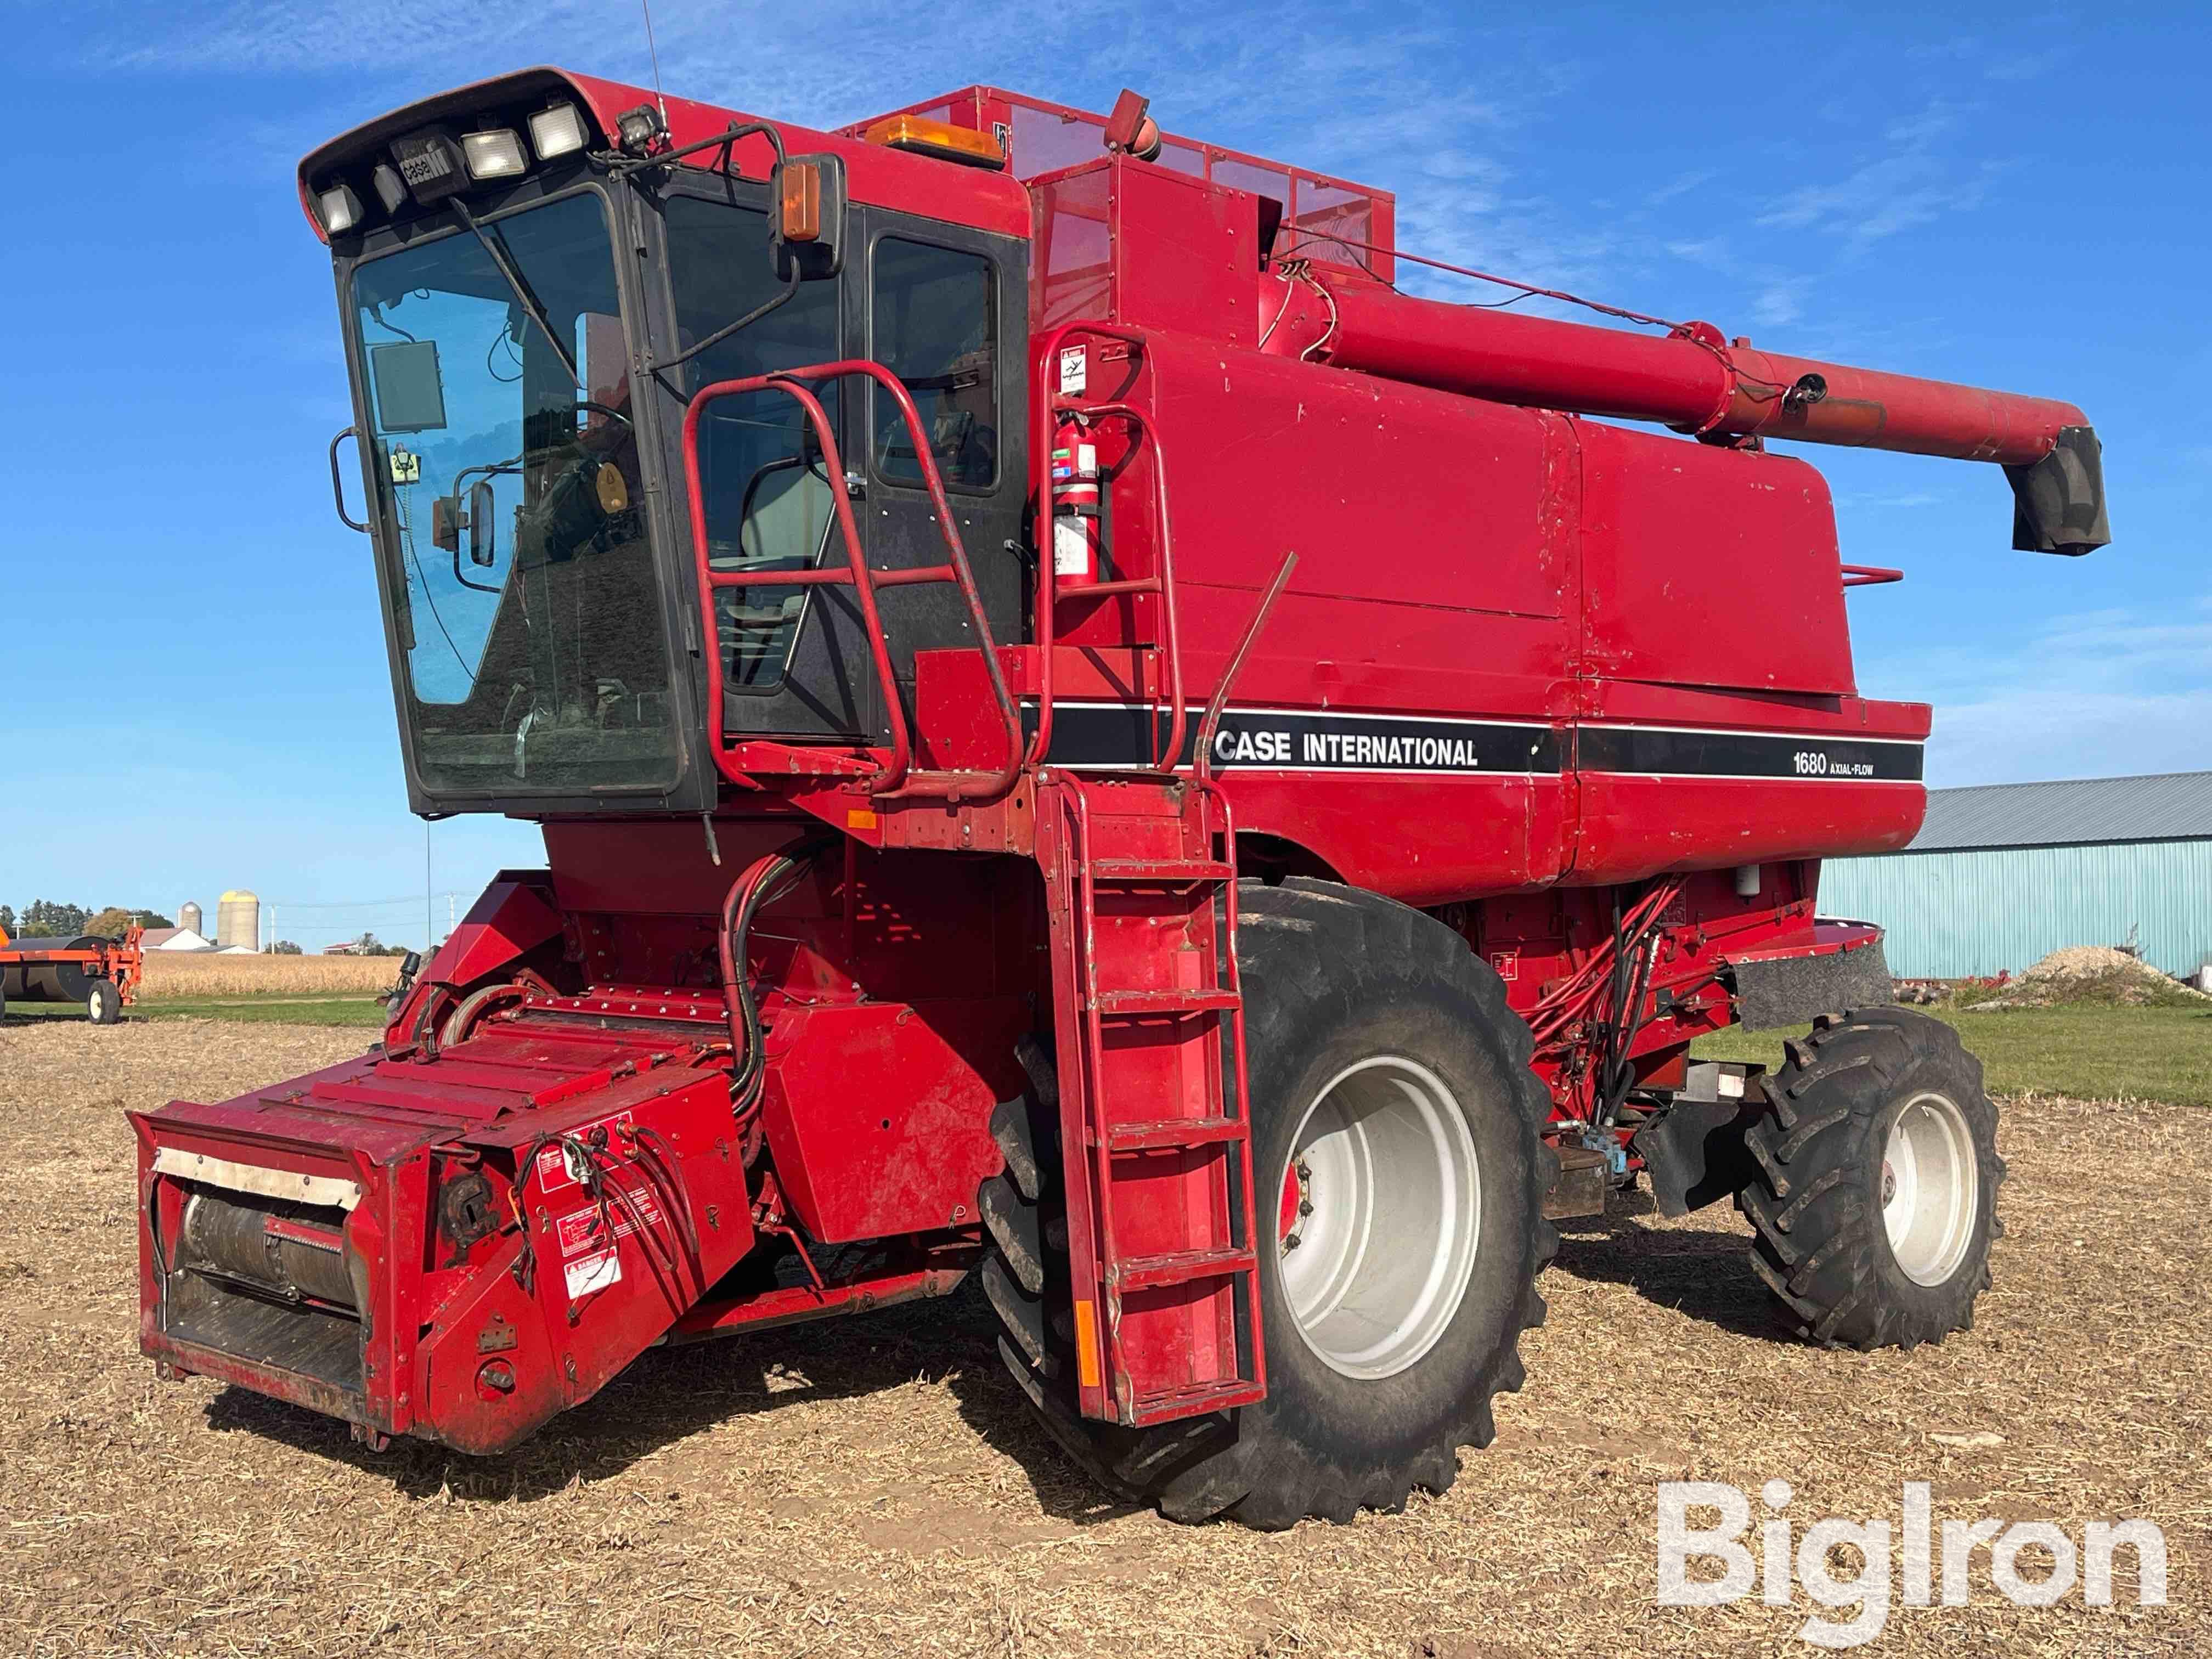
(189, 976)
(874, 1487)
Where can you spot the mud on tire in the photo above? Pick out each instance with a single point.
(1333, 977)
(1867, 1242)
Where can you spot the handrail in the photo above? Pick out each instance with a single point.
(1202, 761)
(857, 576)
(1040, 450)
(337, 489)
(1869, 576)
(892, 779)
(1048, 594)
(1162, 583)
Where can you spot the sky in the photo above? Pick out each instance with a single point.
(198, 686)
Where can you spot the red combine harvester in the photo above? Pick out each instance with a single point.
(1083, 737)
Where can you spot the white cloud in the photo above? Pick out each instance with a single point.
(2024, 66)
(1780, 301)
(2022, 735)
(1914, 183)
(2098, 694)
(1681, 185)
(1895, 499)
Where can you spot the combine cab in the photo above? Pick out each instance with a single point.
(1083, 739)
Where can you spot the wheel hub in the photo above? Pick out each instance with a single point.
(1930, 1188)
(1379, 1210)
(1297, 1203)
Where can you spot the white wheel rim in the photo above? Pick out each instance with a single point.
(92, 1002)
(1380, 1209)
(1930, 1188)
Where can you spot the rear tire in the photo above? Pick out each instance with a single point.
(1874, 1205)
(103, 1003)
(1382, 1055)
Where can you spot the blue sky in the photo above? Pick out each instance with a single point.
(199, 691)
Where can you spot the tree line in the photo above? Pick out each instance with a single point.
(46, 919)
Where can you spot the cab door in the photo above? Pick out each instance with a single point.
(794, 659)
(945, 309)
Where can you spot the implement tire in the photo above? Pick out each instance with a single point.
(1874, 1205)
(1385, 1059)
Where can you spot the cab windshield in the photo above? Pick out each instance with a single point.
(528, 610)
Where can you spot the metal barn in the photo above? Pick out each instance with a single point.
(2004, 873)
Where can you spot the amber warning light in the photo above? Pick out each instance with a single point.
(938, 138)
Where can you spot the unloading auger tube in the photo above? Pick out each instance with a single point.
(1695, 380)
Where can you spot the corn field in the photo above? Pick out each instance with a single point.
(178, 975)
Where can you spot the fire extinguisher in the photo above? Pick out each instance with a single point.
(1074, 505)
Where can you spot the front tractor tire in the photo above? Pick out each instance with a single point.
(1874, 1198)
(1401, 1178)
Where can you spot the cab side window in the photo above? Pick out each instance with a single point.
(763, 481)
(935, 325)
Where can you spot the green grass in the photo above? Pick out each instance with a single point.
(363, 1010)
(2090, 1053)
(328, 1010)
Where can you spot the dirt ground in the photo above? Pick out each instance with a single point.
(874, 1487)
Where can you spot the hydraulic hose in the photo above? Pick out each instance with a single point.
(765, 880)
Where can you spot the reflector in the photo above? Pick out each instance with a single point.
(493, 154)
(556, 132)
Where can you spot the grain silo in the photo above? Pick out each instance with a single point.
(238, 920)
(188, 916)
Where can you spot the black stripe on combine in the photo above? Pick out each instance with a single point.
(1308, 741)
(1673, 753)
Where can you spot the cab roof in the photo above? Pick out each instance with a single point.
(973, 196)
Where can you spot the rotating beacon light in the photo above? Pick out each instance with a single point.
(1074, 505)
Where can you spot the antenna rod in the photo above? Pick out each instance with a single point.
(653, 51)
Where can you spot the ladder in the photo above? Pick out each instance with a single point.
(1140, 882)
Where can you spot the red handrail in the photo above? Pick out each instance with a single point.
(1202, 759)
(1162, 583)
(893, 778)
(1869, 576)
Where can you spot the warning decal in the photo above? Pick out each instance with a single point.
(594, 1272)
(588, 1229)
(562, 1166)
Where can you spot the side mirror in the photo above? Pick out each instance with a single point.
(483, 518)
(806, 217)
(446, 521)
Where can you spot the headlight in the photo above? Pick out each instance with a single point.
(494, 154)
(557, 132)
(339, 209)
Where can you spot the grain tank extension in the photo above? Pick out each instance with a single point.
(1086, 744)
